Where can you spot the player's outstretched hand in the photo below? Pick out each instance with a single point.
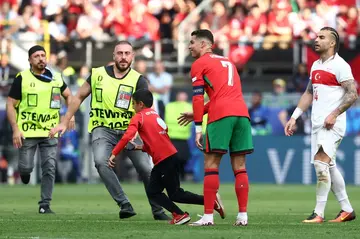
(330, 121)
(112, 161)
(185, 118)
(198, 140)
(289, 127)
(18, 137)
(59, 128)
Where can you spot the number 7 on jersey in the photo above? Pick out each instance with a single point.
(228, 65)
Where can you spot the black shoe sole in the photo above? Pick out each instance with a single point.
(124, 215)
(25, 178)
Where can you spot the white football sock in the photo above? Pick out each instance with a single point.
(322, 187)
(208, 217)
(242, 216)
(339, 190)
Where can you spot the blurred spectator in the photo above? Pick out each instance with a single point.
(58, 33)
(114, 22)
(9, 154)
(306, 24)
(140, 66)
(236, 24)
(278, 96)
(8, 18)
(89, 23)
(179, 135)
(348, 26)
(52, 7)
(69, 154)
(28, 26)
(327, 13)
(7, 75)
(255, 27)
(303, 123)
(216, 20)
(279, 27)
(259, 115)
(183, 8)
(160, 82)
(300, 79)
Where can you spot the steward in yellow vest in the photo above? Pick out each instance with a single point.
(111, 88)
(33, 107)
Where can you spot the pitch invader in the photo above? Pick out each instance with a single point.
(331, 91)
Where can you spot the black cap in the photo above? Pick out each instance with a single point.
(35, 49)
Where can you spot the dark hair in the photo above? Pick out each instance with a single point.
(203, 33)
(124, 42)
(144, 96)
(335, 34)
(34, 49)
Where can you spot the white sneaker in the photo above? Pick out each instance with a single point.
(202, 222)
(240, 222)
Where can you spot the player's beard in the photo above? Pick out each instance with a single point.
(122, 68)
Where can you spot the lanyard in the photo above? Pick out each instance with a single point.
(42, 75)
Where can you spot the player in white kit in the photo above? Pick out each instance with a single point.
(331, 91)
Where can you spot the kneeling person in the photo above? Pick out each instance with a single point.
(165, 174)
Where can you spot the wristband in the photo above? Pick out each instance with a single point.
(297, 112)
(198, 128)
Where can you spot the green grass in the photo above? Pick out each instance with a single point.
(87, 211)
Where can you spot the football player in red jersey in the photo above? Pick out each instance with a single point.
(228, 126)
(165, 175)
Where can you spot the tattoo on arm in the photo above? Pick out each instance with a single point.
(309, 88)
(349, 97)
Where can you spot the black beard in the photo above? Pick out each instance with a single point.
(122, 69)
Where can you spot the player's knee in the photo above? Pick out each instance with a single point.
(322, 171)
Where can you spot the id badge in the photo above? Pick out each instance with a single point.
(55, 102)
(123, 97)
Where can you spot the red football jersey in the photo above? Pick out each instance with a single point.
(218, 77)
(153, 132)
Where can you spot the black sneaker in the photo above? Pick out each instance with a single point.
(126, 211)
(25, 178)
(162, 217)
(45, 209)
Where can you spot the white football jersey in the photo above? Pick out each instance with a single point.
(327, 96)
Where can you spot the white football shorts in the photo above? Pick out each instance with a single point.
(329, 140)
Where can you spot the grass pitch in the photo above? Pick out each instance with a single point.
(87, 211)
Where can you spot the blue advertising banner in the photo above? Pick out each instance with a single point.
(281, 159)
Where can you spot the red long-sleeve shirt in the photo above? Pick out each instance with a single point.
(153, 132)
(218, 77)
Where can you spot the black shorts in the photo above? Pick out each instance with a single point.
(165, 175)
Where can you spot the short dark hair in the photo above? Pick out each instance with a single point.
(335, 34)
(124, 42)
(203, 33)
(144, 96)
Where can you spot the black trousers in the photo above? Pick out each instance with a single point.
(165, 175)
(183, 155)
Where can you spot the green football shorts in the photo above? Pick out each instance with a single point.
(232, 133)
